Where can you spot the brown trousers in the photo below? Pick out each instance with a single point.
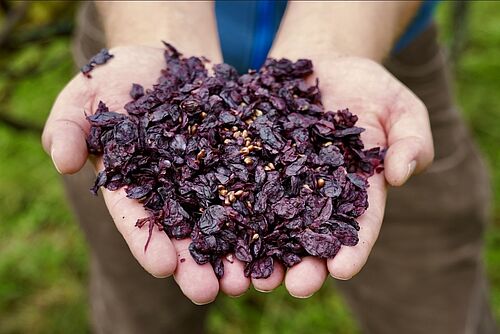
(425, 275)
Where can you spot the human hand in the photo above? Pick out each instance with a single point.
(64, 139)
(394, 118)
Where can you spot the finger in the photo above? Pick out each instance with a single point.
(350, 259)
(409, 138)
(233, 283)
(197, 282)
(66, 128)
(306, 277)
(273, 281)
(160, 257)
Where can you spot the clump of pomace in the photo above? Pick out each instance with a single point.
(249, 165)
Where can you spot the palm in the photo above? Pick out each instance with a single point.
(63, 134)
(370, 99)
(393, 117)
(369, 91)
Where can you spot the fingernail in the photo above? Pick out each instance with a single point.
(236, 296)
(411, 168)
(263, 291)
(54, 161)
(341, 278)
(300, 297)
(201, 304)
(160, 276)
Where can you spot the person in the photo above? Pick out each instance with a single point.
(424, 275)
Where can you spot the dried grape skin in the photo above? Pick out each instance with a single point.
(136, 91)
(99, 59)
(320, 245)
(262, 268)
(212, 219)
(250, 165)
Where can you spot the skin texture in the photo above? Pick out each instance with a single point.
(347, 64)
(392, 115)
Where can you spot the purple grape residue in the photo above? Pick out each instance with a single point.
(100, 58)
(250, 165)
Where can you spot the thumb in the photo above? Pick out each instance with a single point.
(66, 128)
(410, 147)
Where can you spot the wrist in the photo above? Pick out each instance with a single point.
(191, 28)
(331, 29)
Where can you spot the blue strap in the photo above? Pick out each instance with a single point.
(264, 32)
(235, 23)
(247, 29)
(419, 23)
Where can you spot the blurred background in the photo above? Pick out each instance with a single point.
(43, 257)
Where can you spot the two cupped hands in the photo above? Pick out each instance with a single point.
(391, 114)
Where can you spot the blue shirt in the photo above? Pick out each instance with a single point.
(247, 29)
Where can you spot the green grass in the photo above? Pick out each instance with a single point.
(43, 262)
(477, 85)
(43, 265)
